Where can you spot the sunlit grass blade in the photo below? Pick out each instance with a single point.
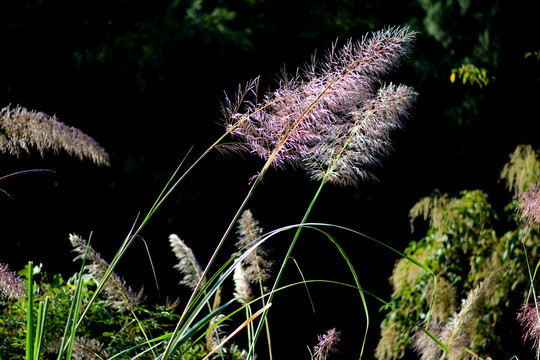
(321, 225)
(30, 313)
(177, 338)
(193, 308)
(66, 346)
(401, 254)
(387, 304)
(356, 281)
(238, 329)
(40, 327)
(152, 345)
(307, 288)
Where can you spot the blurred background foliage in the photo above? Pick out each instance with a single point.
(146, 80)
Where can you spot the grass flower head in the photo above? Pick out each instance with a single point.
(529, 206)
(187, 263)
(11, 285)
(335, 120)
(257, 267)
(117, 293)
(528, 318)
(21, 130)
(327, 344)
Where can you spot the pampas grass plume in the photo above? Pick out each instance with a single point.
(187, 263)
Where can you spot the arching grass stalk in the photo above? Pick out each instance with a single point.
(296, 122)
(317, 227)
(313, 112)
(186, 330)
(333, 172)
(167, 190)
(385, 303)
(66, 347)
(272, 159)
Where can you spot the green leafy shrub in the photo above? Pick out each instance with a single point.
(480, 274)
(105, 329)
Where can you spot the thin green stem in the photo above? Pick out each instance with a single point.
(286, 258)
(40, 328)
(30, 313)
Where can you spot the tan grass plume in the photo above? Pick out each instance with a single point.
(22, 130)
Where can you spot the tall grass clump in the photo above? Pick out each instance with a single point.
(333, 119)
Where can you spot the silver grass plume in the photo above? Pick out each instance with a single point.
(327, 344)
(528, 318)
(187, 263)
(12, 286)
(256, 265)
(117, 293)
(529, 206)
(21, 130)
(459, 329)
(335, 119)
(242, 289)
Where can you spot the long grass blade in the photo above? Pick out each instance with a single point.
(30, 313)
(66, 346)
(356, 281)
(243, 325)
(156, 342)
(183, 328)
(307, 288)
(40, 328)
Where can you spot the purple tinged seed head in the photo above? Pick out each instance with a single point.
(334, 120)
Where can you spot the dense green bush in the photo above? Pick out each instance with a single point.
(481, 273)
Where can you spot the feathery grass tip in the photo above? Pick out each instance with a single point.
(117, 293)
(335, 119)
(21, 130)
(187, 263)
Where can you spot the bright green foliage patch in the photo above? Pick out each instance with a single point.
(104, 330)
